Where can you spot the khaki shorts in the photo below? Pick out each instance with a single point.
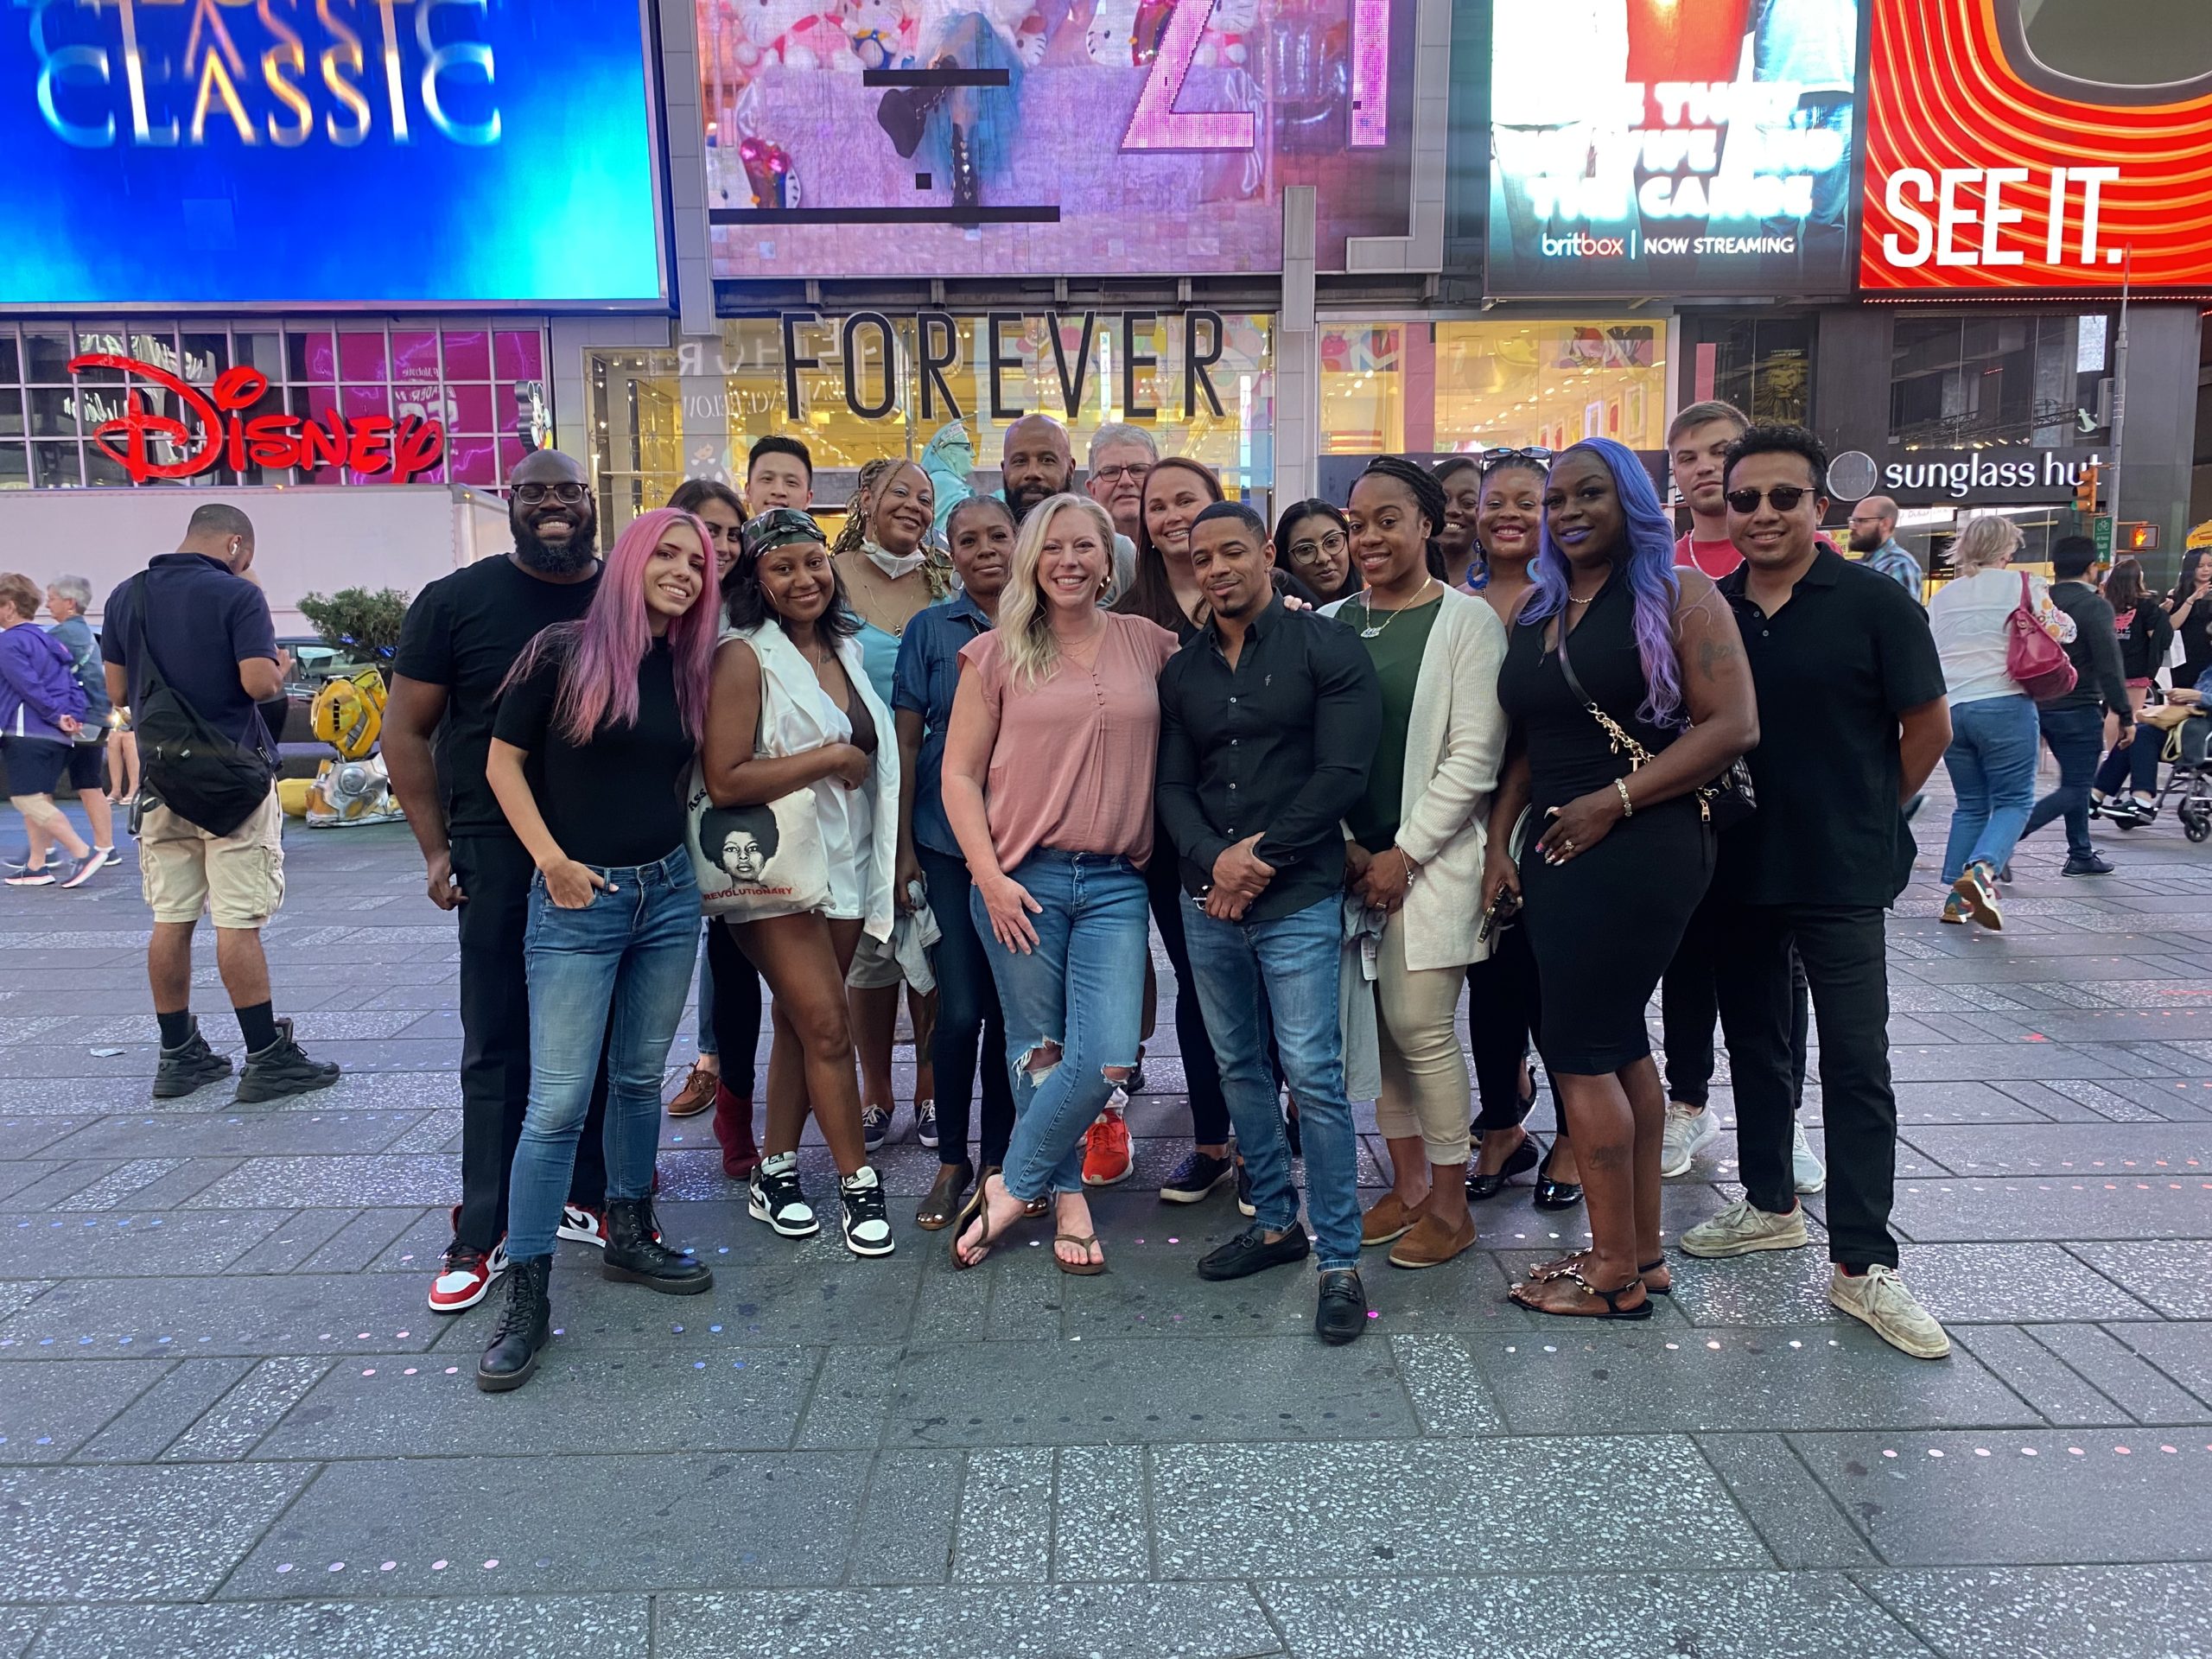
(874, 966)
(237, 879)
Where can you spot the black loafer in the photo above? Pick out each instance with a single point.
(1556, 1195)
(1340, 1310)
(1249, 1253)
(1522, 1159)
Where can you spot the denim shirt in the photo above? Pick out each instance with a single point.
(927, 676)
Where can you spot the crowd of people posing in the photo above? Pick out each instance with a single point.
(1485, 732)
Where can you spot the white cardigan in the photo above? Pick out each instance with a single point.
(1454, 744)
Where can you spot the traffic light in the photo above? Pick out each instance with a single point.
(2141, 536)
(2085, 490)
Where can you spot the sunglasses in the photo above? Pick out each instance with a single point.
(1784, 497)
(1542, 457)
(569, 493)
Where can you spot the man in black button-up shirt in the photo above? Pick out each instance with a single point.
(1269, 719)
(1852, 720)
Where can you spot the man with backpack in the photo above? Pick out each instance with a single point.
(67, 599)
(41, 708)
(190, 651)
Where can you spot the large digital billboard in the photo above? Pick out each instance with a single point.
(2020, 145)
(1666, 147)
(326, 152)
(1048, 137)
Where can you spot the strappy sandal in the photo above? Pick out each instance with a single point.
(944, 1200)
(1667, 1289)
(1085, 1269)
(1611, 1299)
(1544, 1272)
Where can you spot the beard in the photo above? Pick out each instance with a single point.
(557, 559)
(1866, 541)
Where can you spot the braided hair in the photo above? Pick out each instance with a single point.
(852, 533)
(1429, 500)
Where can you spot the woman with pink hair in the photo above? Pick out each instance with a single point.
(610, 710)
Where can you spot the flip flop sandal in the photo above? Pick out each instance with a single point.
(976, 1208)
(1611, 1299)
(1087, 1267)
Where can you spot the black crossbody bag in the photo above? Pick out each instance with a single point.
(193, 769)
(1724, 803)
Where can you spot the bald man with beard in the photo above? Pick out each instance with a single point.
(1036, 463)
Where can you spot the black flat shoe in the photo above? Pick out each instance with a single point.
(1522, 1159)
(1556, 1195)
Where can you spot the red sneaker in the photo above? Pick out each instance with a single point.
(1107, 1158)
(733, 1129)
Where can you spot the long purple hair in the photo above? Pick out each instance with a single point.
(1649, 568)
(602, 652)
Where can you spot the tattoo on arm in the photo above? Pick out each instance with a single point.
(1713, 653)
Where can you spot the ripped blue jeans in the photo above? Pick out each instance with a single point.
(1081, 991)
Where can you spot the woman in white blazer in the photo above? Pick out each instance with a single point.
(793, 710)
(1414, 846)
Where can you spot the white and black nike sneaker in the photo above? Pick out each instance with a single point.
(776, 1198)
(867, 1229)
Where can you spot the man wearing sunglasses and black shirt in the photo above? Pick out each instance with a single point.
(1851, 721)
(462, 634)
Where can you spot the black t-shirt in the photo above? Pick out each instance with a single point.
(618, 799)
(1834, 668)
(201, 622)
(464, 632)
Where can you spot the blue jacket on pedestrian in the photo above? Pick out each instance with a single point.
(38, 686)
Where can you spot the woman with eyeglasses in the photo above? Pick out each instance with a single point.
(794, 710)
(1502, 1002)
(1314, 540)
(1628, 691)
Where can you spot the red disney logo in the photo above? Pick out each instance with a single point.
(369, 444)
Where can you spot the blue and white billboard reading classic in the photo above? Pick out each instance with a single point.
(294, 152)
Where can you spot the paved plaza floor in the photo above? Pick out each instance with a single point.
(230, 1426)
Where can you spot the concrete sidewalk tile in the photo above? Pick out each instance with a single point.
(1102, 1526)
(367, 1236)
(1005, 1535)
(905, 1532)
(851, 1397)
(505, 1627)
(2167, 1274)
(2183, 1352)
(1448, 1392)
(2094, 1206)
(239, 1132)
(21, 1292)
(2110, 1359)
(150, 1423)
(2053, 1612)
(1798, 1521)
(1559, 1616)
(276, 1313)
(2053, 1388)
(370, 1178)
(1959, 1283)
(2008, 1498)
(48, 1410)
(133, 1533)
(289, 1248)
(1965, 1102)
(1414, 1510)
(238, 1421)
(2173, 1150)
(108, 1244)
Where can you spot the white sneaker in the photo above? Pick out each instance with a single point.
(1743, 1228)
(1877, 1297)
(1688, 1131)
(1805, 1165)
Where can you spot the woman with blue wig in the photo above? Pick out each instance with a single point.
(1628, 692)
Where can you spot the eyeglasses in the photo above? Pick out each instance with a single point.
(1785, 498)
(1132, 471)
(1331, 541)
(1542, 457)
(568, 493)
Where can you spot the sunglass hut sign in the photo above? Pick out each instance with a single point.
(1932, 478)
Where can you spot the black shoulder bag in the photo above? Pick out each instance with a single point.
(1724, 803)
(193, 769)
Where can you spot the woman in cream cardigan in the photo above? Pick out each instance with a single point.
(1414, 850)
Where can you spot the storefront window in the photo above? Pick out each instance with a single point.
(1422, 388)
(1980, 380)
(1762, 365)
(48, 418)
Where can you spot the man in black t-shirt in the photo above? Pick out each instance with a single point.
(462, 634)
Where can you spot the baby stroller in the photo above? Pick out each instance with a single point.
(2187, 728)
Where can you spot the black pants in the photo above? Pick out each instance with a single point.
(1201, 1075)
(2074, 735)
(735, 1017)
(969, 1023)
(1841, 950)
(1503, 1009)
(1688, 1006)
(494, 871)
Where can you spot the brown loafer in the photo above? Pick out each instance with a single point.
(1431, 1244)
(696, 1094)
(944, 1200)
(1390, 1218)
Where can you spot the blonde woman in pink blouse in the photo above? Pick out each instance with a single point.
(1048, 772)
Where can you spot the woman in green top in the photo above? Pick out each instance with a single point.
(1415, 854)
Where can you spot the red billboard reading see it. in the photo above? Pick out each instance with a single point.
(1995, 163)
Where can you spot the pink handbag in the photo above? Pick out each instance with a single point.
(2034, 660)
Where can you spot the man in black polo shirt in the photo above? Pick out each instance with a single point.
(462, 634)
(1851, 721)
(1269, 719)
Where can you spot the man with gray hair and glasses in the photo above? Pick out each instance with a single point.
(67, 599)
(1120, 456)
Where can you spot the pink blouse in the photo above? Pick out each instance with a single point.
(1072, 767)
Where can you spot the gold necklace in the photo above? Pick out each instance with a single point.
(1375, 630)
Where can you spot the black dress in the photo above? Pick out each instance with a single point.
(1606, 923)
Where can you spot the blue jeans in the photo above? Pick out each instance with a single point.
(1082, 987)
(2075, 735)
(968, 1020)
(1991, 762)
(1286, 968)
(624, 958)
(2137, 764)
